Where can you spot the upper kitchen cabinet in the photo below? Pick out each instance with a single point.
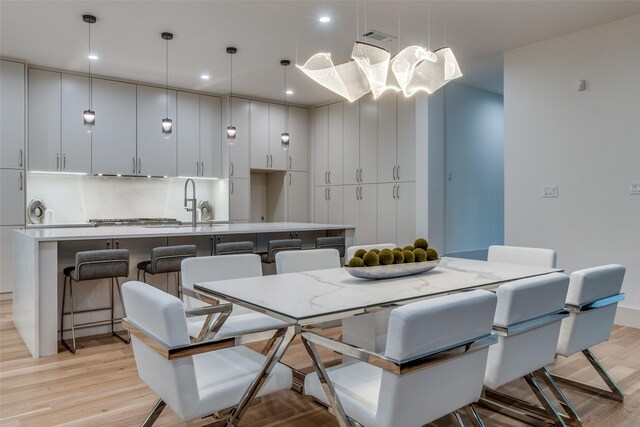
(210, 136)
(328, 143)
(299, 142)
(277, 125)
(368, 173)
(188, 134)
(321, 145)
(267, 123)
(351, 143)
(12, 147)
(239, 149)
(156, 153)
(12, 210)
(45, 94)
(57, 138)
(396, 138)
(114, 136)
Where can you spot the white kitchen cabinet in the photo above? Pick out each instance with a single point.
(12, 147)
(210, 136)
(336, 144)
(351, 143)
(114, 135)
(396, 213)
(45, 93)
(6, 257)
(360, 210)
(12, 201)
(299, 143)
(239, 197)
(297, 203)
(321, 145)
(406, 148)
(188, 134)
(239, 150)
(336, 204)
(156, 153)
(277, 125)
(259, 135)
(387, 138)
(75, 146)
(368, 140)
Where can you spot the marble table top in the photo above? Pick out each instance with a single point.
(315, 296)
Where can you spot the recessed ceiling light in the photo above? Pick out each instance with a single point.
(93, 56)
(289, 92)
(324, 19)
(205, 77)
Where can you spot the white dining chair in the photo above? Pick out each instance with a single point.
(433, 364)
(527, 320)
(592, 300)
(313, 259)
(351, 250)
(241, 320)
(522, 255)
(194, 380)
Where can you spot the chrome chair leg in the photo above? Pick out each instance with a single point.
(574, 417)
(64, 292)
(154, 414)
(457, 418)
(112, 305)
(124, 314)
(544, 399)
(476, 420)
(614, 392)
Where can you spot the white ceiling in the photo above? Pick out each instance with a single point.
(127, 36)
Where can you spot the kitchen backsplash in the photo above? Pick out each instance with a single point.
(78, 198)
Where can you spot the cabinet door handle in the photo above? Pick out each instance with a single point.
(267, 157)
(133, 169)
(398, 172)
(398, 192)
(290, 163)
(57, 161)
(329, 177)
(231, 182)
(271, 157)
(201, 168)
(325, 194)
(20, 158)
(64, 162)
(197, 168)
(231, 169)
(289, 180)
(393, 192)
(360, 174)
(329, 193)
(139, 165)
(395, 177)
(20, 181)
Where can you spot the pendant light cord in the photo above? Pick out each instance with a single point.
(286, 116)
(167, 77)
(231, 94)
(90, 82)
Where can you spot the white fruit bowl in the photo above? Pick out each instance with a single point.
(393, 270)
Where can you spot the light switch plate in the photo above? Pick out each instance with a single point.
(634, 188)
(550, 192)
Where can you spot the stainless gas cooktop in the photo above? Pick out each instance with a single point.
(134, 221)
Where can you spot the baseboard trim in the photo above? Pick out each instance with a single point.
(4, 296)
(628, 316)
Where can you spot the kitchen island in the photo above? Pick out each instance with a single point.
(41, 254)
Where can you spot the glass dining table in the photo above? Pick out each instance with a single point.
(314, 297)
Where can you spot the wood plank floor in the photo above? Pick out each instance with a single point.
(99, 386)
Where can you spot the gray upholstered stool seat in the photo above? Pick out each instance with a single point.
(166, 259)
(234, 248)
(90, 265)
(333, 242)
(276, 246)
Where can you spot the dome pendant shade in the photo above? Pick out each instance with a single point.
(167, 127)
(284, 139)
(231, 134)
(89, 119)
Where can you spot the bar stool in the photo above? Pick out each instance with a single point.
(234, 248)
(333, 242)
(101, 264)
(166, 259)
(276, 246)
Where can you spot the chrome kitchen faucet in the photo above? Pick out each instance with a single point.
(192, 200)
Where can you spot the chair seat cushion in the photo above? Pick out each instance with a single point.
(238, 324)
(224, 375)
(358, 388)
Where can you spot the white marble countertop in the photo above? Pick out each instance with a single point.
(123, 232)
(300, 297)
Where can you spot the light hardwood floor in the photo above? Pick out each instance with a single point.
(99, 386)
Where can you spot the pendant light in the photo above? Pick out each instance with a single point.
(284, 136)
(167, 123)
(88, 115)
(231, 130)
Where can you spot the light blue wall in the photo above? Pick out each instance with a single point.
(474, 169)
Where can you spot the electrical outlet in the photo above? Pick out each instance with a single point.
(634, 188)
(550, 192)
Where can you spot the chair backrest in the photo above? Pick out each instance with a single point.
(162, 314)
(281, 245)
(102, 264)
(429, 326)
(212, 268)
(585, 329)
(522, 255)
(331, 242)
(230, 248)
(314, 259)
(352, 249)
(520, 353)
(166, 259)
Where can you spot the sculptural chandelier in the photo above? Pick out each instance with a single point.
(413, 69)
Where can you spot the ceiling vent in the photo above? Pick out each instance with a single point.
(378, 36)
